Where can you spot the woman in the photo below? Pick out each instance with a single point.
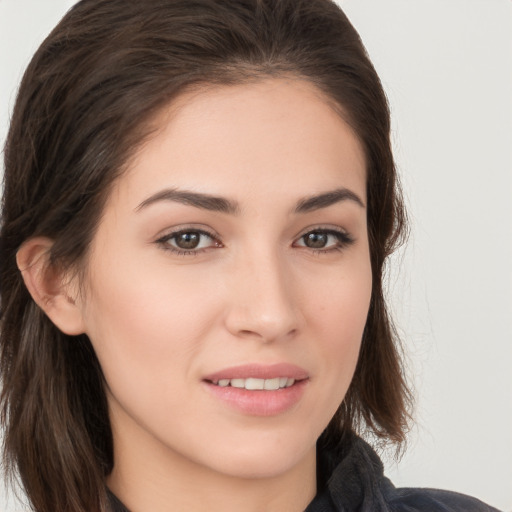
(199, 200)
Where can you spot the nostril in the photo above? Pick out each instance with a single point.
(265, 316)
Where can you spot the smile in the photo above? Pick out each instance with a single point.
(257, 384)
(259, 389)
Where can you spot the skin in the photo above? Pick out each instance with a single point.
(253, 292)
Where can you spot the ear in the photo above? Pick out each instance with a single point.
(52, 289)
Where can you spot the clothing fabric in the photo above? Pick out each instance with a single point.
(351, 479)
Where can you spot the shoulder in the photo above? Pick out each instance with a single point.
(352, 479)
(420, 499)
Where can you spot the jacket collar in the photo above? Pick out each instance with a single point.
(350, 477)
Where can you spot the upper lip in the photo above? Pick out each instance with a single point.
(259, 371)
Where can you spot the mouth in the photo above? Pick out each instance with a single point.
(253, 384)
(259, 390)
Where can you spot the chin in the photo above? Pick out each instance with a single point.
(260, 460)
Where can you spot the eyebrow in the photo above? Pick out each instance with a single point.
(223, 205)
(199, 200)
(326, 199)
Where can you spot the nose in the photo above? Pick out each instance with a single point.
(263, 304)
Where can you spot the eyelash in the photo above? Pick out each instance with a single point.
(343, 238)
(165, 245)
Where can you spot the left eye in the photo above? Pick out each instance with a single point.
(321, 239)
(189, 240)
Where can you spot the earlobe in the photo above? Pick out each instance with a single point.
(51, 289)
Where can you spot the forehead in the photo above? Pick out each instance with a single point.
(228, 139)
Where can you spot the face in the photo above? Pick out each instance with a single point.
(229, 280)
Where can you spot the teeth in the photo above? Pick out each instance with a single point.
(254, 384)
(272, 384)
(257, 384)
(238, 383)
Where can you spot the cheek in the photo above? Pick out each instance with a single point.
(146, 323)
(342, 296)
(135, 296)
(145, 339)
(339, 312)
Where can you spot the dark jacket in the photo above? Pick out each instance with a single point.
(352, 480)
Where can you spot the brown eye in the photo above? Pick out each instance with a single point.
(325, 240)
(188, 240)
(316, 240)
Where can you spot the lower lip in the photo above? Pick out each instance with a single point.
(258, 402)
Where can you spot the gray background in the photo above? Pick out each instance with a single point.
(447, 68)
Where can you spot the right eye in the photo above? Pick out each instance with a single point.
(188, 241)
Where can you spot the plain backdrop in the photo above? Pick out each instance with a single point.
(447, 68)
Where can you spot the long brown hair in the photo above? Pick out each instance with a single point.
(82, 110)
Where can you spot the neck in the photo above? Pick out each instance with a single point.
(148, 477)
